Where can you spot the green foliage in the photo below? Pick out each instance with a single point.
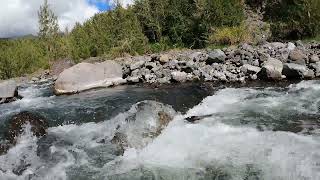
(21, 57)
(230, 35)
(114, 33)
(186, 23)
(293, 19)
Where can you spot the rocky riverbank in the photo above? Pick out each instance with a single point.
(271, 61)
(274, 61)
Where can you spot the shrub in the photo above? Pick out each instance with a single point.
(230, 35)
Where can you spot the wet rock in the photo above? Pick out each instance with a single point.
(8, 91)
(216, 56)
(271, 70)
(179, 76)
(298, 57)
(194, 119)
(294, 71)
(145, 122)
(86, 76)
(38, 124)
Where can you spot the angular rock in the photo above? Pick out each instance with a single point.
(8, 91)
(179, 76)
(85, 76)
(198, 56)
(309, 75)
(216, 56)
(314, 58)
(291, 46)
(298, 57)
(294, 71)
(136, 65)
(164, 58)
(247, 68)
(134, 79)
(316, 68)
(271, 70)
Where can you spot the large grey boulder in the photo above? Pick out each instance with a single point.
(271, 70)
(298, 57)
(296, 71)
(86, 76)
(216, 56)
(8, 91)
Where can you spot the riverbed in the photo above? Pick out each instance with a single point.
(256, 132)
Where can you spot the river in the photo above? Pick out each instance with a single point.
(258, 132)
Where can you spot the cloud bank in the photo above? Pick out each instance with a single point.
(20, 17)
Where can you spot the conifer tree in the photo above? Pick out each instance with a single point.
(48, 22)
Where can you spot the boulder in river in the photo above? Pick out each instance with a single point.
(145, 121)
(8, 91)
(85, 76)
(294, 71)
(38, 124)
(271, 70)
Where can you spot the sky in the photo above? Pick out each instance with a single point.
(20, 17)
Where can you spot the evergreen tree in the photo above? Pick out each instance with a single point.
(48, 22)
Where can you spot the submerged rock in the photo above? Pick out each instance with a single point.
(145, 121)
(86, 76)
(39, 126)
(8, 91)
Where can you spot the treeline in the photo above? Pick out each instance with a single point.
(158, 25)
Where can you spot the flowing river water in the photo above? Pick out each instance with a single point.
(252, 133)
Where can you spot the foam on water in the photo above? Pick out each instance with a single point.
(226, 145)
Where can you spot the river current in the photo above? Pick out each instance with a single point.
(246, 133)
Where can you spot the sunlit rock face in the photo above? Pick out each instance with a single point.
(86, 76)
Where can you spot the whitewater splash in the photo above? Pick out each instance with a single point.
(250, 133)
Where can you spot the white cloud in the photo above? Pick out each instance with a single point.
(124, 3)
(20, 17)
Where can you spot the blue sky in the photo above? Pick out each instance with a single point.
(101, 5)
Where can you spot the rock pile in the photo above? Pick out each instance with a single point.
(270, 61)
